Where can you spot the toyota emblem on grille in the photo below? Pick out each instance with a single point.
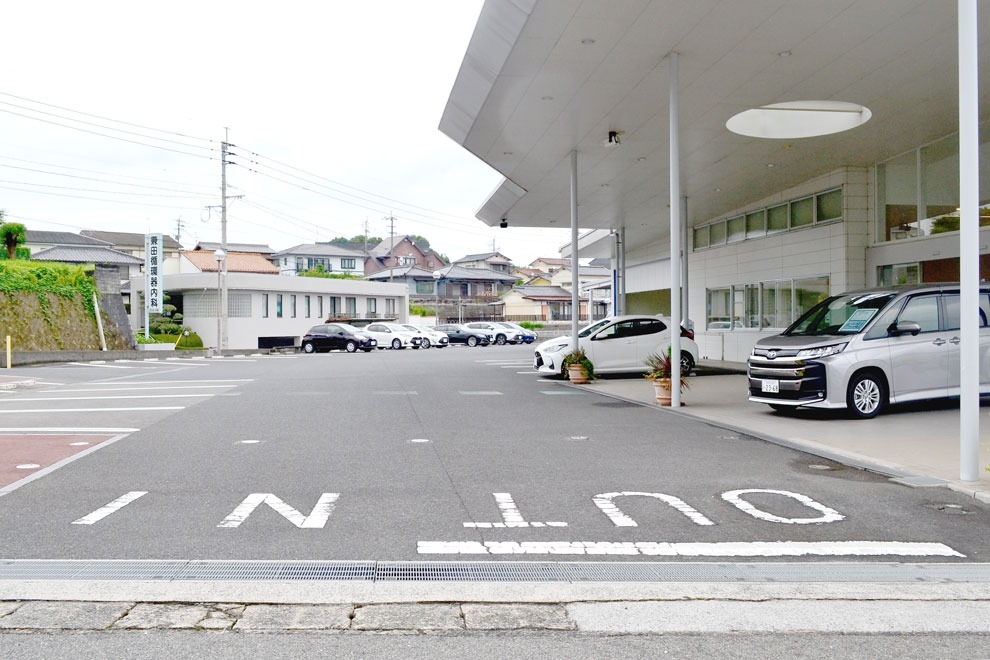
(772, 354)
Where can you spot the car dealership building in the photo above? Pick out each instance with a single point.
(812, 148)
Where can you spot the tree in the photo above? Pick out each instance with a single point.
(372, 240)
(420, 241)
(12, 234)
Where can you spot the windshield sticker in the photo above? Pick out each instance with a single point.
(858, 320)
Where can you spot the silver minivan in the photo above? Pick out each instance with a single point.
(866, 349)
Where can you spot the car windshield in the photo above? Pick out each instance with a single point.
(847, 314)
(348, 327)
(594, 327)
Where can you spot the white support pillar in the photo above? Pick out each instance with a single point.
(575, 294)
(969, 244)
(675, 236)
(685, 252)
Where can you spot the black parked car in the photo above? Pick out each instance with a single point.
(461, 334)
(336, 336)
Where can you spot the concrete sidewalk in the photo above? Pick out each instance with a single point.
(917, 444)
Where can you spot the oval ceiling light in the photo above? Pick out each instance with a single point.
(799, 119)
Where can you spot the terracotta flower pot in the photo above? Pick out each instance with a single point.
(662, 387)
(576, 374)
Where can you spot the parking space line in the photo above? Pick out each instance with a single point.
(37, 411)
(725, 549)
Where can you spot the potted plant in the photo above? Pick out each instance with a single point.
(660, 366)
(579, 367)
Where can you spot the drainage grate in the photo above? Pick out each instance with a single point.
(495, 571)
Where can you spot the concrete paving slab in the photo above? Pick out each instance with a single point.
(295, 617)
(478, 616)
(148, 616)
(776, 616)
(408, 617)
(65, 616)
(7, 608)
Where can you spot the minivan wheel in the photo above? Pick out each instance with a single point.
(866, 395)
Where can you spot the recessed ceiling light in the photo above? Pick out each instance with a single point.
(587, 41)
(546, 98)
(506, 153)
(641, 159)
(769, 164)
(784, 53)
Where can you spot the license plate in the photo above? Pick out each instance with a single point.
(770, 386)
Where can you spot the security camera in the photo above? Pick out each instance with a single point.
(504, 223)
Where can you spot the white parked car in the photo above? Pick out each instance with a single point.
(393, 335)
(502, 335)
(430, 336)
(618, 344)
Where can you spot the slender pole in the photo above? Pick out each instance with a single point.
(575, 297)
(969, 244)
(223, 236)
(219, 323)
(675, 237)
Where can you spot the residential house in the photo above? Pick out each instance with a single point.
(400, 251)
(538, 303)
(331, 257)
(460, 293)
(549, 264)
(132, 243)
(491, 260)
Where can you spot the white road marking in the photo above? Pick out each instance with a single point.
(480, 393)
(828, 515)
(171, 362)
(27, 466)
(119, 396)
(143, 389)
(726, 549)
(117, 381)
(605, 502)
(99, 364)
(36, 411)
(65, 429)
(315, 520)
(398, 392)
(112, 507)
(510, 516)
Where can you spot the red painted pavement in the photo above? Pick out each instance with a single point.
(41, 449)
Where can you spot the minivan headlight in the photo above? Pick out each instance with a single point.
(822, 351)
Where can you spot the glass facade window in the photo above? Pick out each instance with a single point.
(717, 233)
(701, 237)
(334, 305)
(350, 303)
(767, 305)
(756, 224)
(736, 229)
(896, 274)
(278, 305)
(719, 309)
(264, 305)
(390, 306)
(372, 305)
(802, 212)
(307, 306)
(777, 219)
(238, 304)
(918, 192)
(292, 305)
(828, 206)
(347, 263)
(320, 305)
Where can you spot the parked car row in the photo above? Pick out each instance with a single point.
(397, 336)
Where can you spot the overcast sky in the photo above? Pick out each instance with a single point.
(112, 116)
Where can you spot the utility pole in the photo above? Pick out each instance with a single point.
(178, 230)
(225, 151)
(391, 245)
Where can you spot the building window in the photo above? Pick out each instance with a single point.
(292, 306)
(773, 304)
(425, 287)
(390, 306)
(756, 224)
(701, 237)
(334, 305)
(239, 304)
(736, 228)
(320, 305)
(896, 274)
(347, 263)
(307, 306)
(278, 305)
(300, 264)
(351, 303)
(802, 212)
(372, 306)
(777, 219)
(264, 305)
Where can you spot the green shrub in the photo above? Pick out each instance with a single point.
(190, 341)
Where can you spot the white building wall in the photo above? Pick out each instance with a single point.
(243, 332)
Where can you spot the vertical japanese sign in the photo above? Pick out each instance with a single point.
(153, 278)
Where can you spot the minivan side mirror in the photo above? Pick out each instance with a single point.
(904, 328)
